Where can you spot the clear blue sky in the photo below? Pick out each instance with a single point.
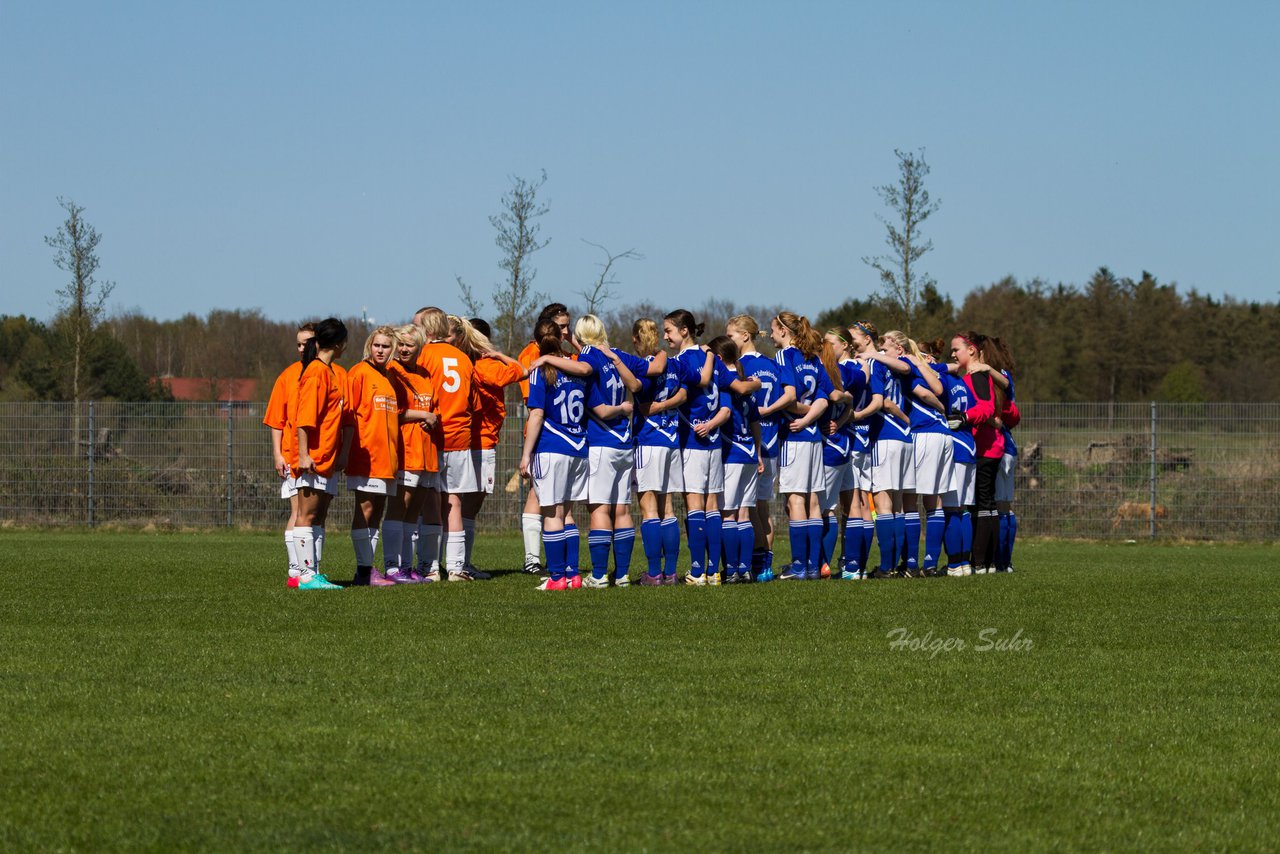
(313, 158)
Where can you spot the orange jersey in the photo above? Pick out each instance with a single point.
(419, 448)
(492, 376)
(374, 412)
(526, 357)
(451, 372)
(280, 409)
(321, 391)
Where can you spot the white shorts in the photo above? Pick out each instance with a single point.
(890, 463)
(861, 462)
(933, 454)
(739, 486)
(559, 479)
(1004, 477)
(964, 477)
(800, 468)
(487, 466)
(318, 482)
(836, 479)
(703, 470)
(417, 479)
(288, 487)
(371, 485)
(458, 472)
(609, 475)
(767, 482)
(658, 470)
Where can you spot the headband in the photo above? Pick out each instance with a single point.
(864, 330)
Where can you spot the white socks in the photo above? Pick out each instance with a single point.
(305, 551)
(455, 550)
(295, 569)
(531, 528)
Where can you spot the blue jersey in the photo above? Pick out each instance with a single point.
(661, 430)
(739, 443)
(704, 401)
(886, 427)
(774, 379)
(605, 387)
(811, 383)
(959, 401)
(1010, 447)
(861, 430)
(924, 418)
(836, 447)
(565, 407)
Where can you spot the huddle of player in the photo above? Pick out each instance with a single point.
(837, 423)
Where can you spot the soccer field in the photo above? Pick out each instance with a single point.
(167, 692)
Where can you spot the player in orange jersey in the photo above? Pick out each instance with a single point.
(417, 493)
(284, 398)
(373, 411)
(322, 446)
(493, 372)
(451, 373)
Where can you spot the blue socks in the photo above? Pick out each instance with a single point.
(714, 526)
(911, 537)
(553, 542)
(830, 535)
(651, 539)
(799, 538)
(746, 544)
(696, 523)
(572, 550)
(598, 542)
(887, 538)
(851, 553)
(624, 543)
(670, 544)
(731, 545)
(934, 531)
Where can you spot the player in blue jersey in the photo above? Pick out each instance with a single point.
(837, 460)
(611, 448)
(777, 392)
(839, 454)
(892, 471)
(958, 523)
(863, 336)
(555, 451)
(800, 476)
(701, 456)
(933, 455)
(658, 470)
(743, 465)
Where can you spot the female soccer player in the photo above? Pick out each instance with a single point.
(987, 401)
(931, 458)
(416, 493)
(493, 372)
(743, 465)
(838, 455)
(658, 470)
(531, 519)
(555, 451)
(891, 459)
(863, 335)
(284, 440)
(777, 392)
(451, 373)
(958, 526)
(321, 450)
(1001, 360)
(373, 413)
(610, 459)
(800, 476)
(700, 454)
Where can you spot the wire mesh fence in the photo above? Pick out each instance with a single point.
(1095, 470)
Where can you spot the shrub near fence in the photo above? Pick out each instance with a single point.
(1127, 471)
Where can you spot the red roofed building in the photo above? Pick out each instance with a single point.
(203, 388)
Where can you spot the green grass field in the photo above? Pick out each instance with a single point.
(167, 692)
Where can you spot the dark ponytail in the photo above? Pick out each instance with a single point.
(723, 346)
(330, 333)
(682, 318)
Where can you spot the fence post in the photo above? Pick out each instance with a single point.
(230, 438)
(1153, 469)
(89, 445)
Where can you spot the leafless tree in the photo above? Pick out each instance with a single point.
(602, 288)
(901, 284)
(514, 299)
